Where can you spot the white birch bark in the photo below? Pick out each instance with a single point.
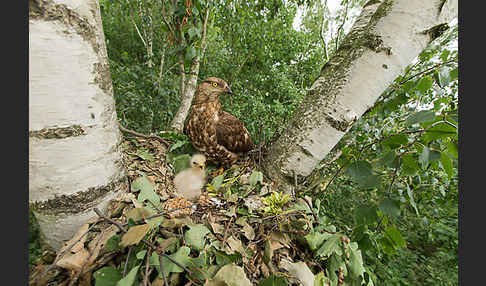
(189, 88)
(384, 40)
(74, 154)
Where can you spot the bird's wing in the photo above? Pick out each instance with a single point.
(201, 129)
(232, 133)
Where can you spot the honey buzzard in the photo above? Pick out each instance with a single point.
(214, 132)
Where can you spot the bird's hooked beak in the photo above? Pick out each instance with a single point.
(200, 166)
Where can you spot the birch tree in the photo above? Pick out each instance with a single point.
(189, 51)
(74, 155)
(383, 41)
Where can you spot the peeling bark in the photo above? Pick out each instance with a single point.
(74, 152)
(387, 34)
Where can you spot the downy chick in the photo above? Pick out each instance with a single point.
(189, 182)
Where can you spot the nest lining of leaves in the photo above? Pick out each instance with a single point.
(241, 232)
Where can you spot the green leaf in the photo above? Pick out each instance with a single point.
(424, 157)
(452, 149)
(255, 177)
(113, 242)
(141, 254)
(190, 53)
(315, 239)
(365, 215)
(359, 169)
(107, 276)
(177, 145)
(395, 236)
(355, 265)
(446, 163)
(369, 182)
(181, 256)
(141, 183)
(181, 162)
(130, 278)
(195, 236)
(332, 245)
(273, 280)
(388, 159)
(409, 165)
(365, 242)
(147, 193)
(361, 173)
(420, 116)
(321, 280)
(217, 182)
(389, 207)
(453, 74)
(444, 77)
(387, 245)
(424, 84)
(396, 141)
(440, 131)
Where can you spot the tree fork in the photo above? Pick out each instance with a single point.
(384, 40)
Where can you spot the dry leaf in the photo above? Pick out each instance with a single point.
(138, 213)
(74, 261)
(233, 245)
(217, 228)
(95, 246)
(135, 234)
(80, 244)
(249, 232)
(300, 270)
(176, 222)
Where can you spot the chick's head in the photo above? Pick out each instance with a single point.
(198, 161)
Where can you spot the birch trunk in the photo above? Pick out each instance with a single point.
(74, 154)
(384, 40)
(189, 88)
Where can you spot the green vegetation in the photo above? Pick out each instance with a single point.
(391, 196)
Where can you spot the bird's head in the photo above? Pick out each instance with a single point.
(198, 161)
(213, 87)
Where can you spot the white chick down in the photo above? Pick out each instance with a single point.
(189, 182)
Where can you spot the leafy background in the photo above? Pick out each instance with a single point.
(391, 183)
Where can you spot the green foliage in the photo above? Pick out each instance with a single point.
(274, 203)
(405, 224)
(395, 189)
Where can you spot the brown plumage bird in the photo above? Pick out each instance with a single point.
(189, 182)
(214, 132)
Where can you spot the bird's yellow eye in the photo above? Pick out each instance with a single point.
(215, 84)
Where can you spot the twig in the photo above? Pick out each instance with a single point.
(311, 209)
(226, 232)
(50, 267)
(159, 214)
(163, 272)
(143, 135)
(149, 244)
(138, 31)
(147, 266)
(87, 260)
(126, 261)
(107, 257)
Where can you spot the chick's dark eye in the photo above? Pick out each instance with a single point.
(215, 84)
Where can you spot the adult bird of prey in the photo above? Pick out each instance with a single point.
(214, 132)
